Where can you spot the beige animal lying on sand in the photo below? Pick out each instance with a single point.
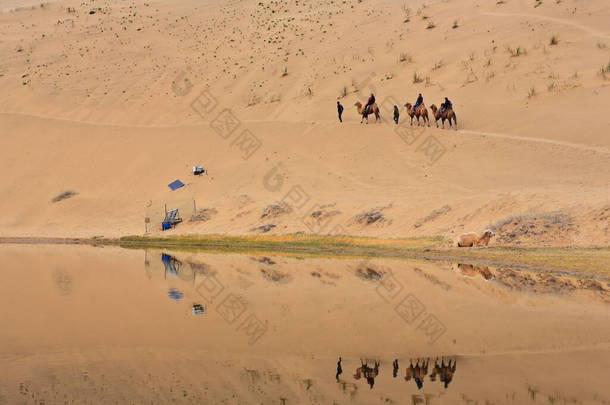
(473, 239)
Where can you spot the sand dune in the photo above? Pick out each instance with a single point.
(114, 100)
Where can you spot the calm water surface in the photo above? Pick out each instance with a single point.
(93, 325)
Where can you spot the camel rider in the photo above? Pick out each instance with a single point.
(369, 103)
(420, 101)
(446, 105)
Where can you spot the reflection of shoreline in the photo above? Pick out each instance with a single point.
(561, 260)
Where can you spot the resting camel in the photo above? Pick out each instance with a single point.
(473, 239)
(447, 114)
(373, 109)
(420, 111)
(471, 271)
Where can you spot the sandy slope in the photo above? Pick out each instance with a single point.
(102, 104)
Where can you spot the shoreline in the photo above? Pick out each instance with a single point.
(564, 260)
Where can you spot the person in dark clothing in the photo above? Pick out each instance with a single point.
(340, 111)
(369, 103)
(420, 101)
(395, 368)
(446, 105)
(396, 114)
(339, 369)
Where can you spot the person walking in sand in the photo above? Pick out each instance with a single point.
(340, 110)
(396, 114)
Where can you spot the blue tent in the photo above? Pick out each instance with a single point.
(175, 184)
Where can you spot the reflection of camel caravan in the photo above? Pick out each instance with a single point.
(367, 372)
(418, 372)
(443, 371)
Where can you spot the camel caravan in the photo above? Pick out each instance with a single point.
(442, 371)
(417, 111)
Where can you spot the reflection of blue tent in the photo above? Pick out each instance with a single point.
(171, 264)
(172, 218)
(175, 184)
(175, 294)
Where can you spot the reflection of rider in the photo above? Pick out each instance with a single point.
(420, 101)
(369, 103)
(339, 369)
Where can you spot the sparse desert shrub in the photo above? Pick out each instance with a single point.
(430, 25)
(285, 72)
(517, 51)
(417, 78)
(405, 57)
(276, 209)
(604, 70)
(263, 228)
(433, 215)
(254, 100)
(455, 24)
(343, 92)
(64, 195)
(531, 92)
(203, 215)
(601, 45)
(554, 40)
(544, 227)
(552, 86)
(438, 65)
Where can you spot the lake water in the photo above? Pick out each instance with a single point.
(106, 325)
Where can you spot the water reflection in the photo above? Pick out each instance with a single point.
(369, 373)
(308, 309)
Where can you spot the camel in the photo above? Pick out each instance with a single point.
(448, 114)
(445, 372)
(373, 109)
(417, 372)
(473, 239)
(471, 271)
(420, 111)
(369, 373)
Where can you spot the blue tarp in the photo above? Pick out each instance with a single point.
(175, 184)
(175, 294)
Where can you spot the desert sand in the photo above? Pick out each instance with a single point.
(113, 100)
